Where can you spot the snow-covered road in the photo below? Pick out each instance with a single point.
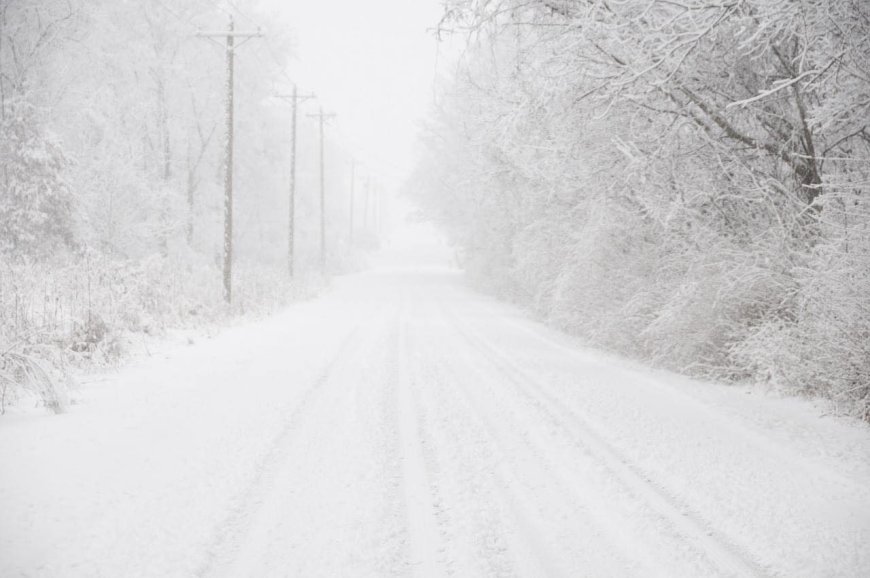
(404, 425)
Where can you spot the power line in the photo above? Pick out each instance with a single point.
(242, 13)
(186, 20)
(269, 46)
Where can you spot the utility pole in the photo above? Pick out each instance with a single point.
(376, 211)
(352, 179)
(230, 34)
(322, 117)
(295, 98)
(366, 205)
(379, 211)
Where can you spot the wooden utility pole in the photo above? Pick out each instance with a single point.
(230, 34)
(295, 98)
(322, 117)
(378, 211)
(366, 206)
(352, 179)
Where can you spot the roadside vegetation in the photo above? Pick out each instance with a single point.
(682, 182)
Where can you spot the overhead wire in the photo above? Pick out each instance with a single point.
(242, 13)
(186, 20)
(232, 11)
(268, 44)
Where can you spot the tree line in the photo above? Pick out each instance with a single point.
(112, 175)
(682, 181)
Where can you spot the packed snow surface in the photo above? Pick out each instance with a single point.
(403, 425)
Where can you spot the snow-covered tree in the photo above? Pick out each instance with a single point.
(675, 180)
(37, 207)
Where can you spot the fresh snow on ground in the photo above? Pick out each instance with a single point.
(401, 425)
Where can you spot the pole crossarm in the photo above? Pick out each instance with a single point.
(244, 35)
(296, 97)
(325, 116)
(234, 34)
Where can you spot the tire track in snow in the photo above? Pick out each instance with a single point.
(433, 473)
(230, 534)
(556, 522)
(424, 537)
(773, 449)
(722, 552)
(557, 518)
(475, 492)
(467, 494)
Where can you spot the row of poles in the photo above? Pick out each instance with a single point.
(294, 98)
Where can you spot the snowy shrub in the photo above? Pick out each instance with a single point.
(36, 371)
(603, 279)
(822, 347)
(713, 308)
(55, 314)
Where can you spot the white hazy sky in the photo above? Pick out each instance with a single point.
(372, 62)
